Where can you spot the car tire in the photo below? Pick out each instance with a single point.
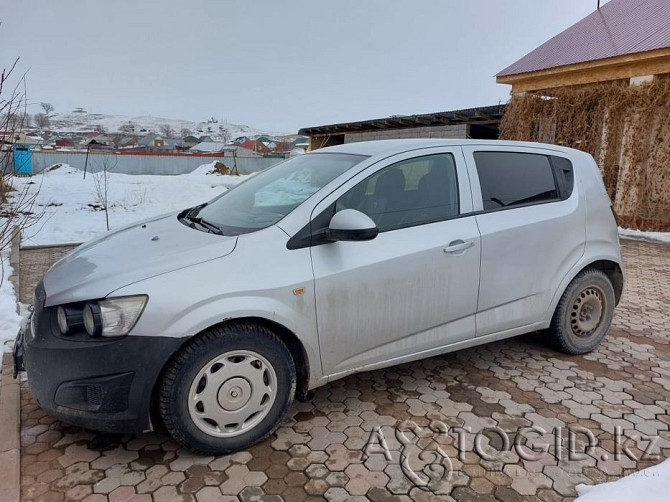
(584, 313)
(227, 388)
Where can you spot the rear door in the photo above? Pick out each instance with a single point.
(532, 228)
(414, 287)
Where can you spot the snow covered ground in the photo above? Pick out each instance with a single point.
(9, 319)
(71, 205)
(649, 485)
(649, 236)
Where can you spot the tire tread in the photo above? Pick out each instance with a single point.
(558, 339)
(189, 350)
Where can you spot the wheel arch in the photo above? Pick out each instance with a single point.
(288, 337)
(609, 267)
(613, 271)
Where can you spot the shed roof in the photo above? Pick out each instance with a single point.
(482, 115)
(618, 28)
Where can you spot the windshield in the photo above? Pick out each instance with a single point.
(266, 198)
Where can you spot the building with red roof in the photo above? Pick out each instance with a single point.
(603, 86)
(623, 39)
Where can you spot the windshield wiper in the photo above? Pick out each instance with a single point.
(194, 211)
(191, 217)
(211, 227)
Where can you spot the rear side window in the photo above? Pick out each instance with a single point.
(565, 177)
(510, 179)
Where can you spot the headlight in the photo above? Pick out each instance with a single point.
(69, 319)
(114, 316)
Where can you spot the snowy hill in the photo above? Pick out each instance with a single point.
(81, 121)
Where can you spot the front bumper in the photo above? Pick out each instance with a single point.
(101, 384)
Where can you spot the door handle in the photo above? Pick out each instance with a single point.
(458, 245)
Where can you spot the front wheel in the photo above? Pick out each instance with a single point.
(227, 388)
(584, 313)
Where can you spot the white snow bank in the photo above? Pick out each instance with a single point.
(9, 319)
(650, 485)
(71, 206)
(649, 236)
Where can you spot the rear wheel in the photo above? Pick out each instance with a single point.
(584, 313)
(227, 389)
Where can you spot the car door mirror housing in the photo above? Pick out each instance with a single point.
(351, 225)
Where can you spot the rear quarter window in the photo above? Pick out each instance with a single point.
(511, 179)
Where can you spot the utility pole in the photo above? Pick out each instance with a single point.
(88, 147)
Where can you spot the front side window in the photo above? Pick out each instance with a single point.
(266, 198)
(412, 192)
(510, 179)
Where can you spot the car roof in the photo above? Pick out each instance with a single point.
(387, 147)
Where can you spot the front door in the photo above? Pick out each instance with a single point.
(414, 287)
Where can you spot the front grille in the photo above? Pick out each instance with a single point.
(94, 395)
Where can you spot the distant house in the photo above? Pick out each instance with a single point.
(128, 142)
(105, 139)
(151, 141)
(282, 147)
(24, 139)
(64, 143)
(204, 138)
(176, 144)
(245, 152)
(256, 146)
(208, 147)
(94, 144)
(190, 141)
(20, 138)
(300, 142)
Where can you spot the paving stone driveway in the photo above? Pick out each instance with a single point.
(479, 424)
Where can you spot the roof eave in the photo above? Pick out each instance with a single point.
(652, 62)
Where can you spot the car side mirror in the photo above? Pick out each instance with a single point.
(352, 225)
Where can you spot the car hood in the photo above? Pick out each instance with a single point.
(131, 254)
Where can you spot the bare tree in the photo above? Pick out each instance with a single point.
(186, 132)
(101, 183)
(16, 204)
(166, 130)
(41, 120)
(225, 135)
(47, 107)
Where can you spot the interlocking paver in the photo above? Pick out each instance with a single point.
(518, 387)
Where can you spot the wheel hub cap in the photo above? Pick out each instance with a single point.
(586, 312)
(232, 393)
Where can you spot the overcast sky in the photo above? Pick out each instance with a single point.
(274, 65)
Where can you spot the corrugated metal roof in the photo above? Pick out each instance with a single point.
(482, 115)
(619, 27)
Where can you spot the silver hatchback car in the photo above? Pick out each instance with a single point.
(345, 259)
